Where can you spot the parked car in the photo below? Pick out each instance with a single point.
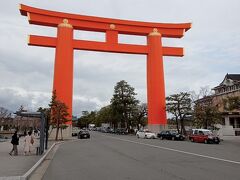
(83, 134)
(121, 131)
(75, 131)
(146, 134)
(170, 134)
(204, 136)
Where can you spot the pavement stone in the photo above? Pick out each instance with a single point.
(13, 166)
(16, 167)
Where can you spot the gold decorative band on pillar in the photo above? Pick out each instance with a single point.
(155, 32)
(65, 24)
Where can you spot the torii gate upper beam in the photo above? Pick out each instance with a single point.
(90, 23)
(112, 27)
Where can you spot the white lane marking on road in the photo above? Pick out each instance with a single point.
(175, 150)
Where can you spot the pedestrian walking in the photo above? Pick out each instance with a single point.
(15, 143)
(36, 142)
(28, 142)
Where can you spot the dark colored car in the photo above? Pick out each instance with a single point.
(203, 136)
(83, 134)
(170, 134)
(121, 131)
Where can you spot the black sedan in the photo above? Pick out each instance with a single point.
(121, 131)
(170, 134)
(83, 134)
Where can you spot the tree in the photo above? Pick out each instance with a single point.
(106, 115)
(139, 115)
(86, 119)
(205, 112)
(19, 111)
(179, 105)
(3, 113)
(231, 103)
(123, 103)
(5, 116)
(59, 114)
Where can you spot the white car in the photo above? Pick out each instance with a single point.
(146, 134)
(75, 131)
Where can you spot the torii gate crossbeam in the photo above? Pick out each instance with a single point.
(65, 45)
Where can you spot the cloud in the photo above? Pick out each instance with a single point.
(211, 51)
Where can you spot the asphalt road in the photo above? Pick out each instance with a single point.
(119, 157)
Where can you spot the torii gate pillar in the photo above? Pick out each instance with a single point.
(155, 83)
(63, 67)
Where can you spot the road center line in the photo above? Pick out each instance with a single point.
(175, 150)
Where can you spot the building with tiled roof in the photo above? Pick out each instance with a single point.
(228, 88)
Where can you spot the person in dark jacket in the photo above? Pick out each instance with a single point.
(15, 143)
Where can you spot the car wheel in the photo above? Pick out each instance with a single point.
(206, 141)
(173, 138)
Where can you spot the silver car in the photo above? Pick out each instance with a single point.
(146, 134)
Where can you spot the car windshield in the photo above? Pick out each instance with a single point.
(84, 132)
(207, 132)
(147, 131)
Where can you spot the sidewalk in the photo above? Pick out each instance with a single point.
(232, 139)
(16, 165)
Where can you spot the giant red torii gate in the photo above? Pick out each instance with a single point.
(65, 45)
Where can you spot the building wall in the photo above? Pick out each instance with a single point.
(231, 118)
(218, 100)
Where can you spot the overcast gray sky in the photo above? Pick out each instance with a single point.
(212, 49)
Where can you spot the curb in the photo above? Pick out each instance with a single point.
(30, 171)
